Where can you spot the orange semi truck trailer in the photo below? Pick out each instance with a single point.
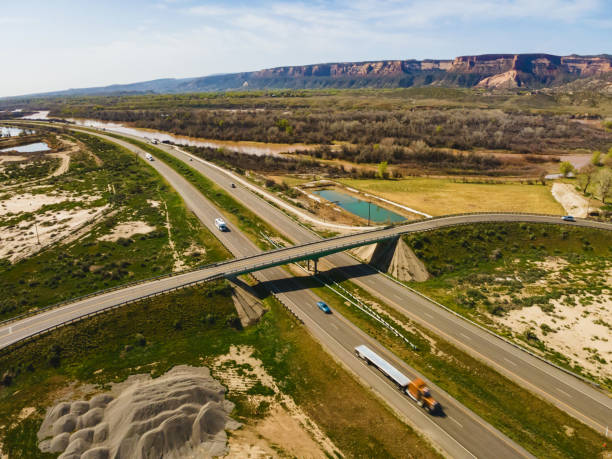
(416, 389)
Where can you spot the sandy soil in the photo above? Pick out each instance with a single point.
(127, 230)
(580, 329)
(285, 427)
(573, 203)
(64, 165)
(575, 331)
(9, 159)
(20, 240)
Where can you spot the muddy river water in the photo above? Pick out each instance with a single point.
(253, 148)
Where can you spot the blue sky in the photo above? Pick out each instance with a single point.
(60, 44)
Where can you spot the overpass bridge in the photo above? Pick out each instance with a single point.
(40, 321)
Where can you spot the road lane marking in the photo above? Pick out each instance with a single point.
(510, 361)
(563, 392)
(428, 315)
(454, 420)
(465, 336)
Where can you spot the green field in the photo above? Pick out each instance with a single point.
(486, 271)
(445, 196)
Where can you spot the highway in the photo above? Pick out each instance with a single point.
(460, 433)
(577, 398)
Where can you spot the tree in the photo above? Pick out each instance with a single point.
(596, 158)
(604, 182)
(382, 170)
(542, 178)
(565, 168)
(586, 176)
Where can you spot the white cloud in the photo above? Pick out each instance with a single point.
(191, 38)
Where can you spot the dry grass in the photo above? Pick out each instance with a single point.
(443, 196)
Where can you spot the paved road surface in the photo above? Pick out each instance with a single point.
(460, 433)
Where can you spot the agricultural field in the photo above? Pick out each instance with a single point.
(106, 219)
(549, 289)
(441, 196)
(273, 371)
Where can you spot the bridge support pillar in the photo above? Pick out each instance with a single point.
(315, 261)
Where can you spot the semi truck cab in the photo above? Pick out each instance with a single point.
(419, 392)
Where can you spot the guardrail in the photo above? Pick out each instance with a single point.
(78, 318)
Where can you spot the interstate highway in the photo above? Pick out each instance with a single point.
(460, 433)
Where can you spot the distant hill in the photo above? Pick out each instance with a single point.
(496, 71)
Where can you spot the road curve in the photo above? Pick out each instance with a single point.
(460, 433)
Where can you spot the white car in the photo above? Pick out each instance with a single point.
(220, 224)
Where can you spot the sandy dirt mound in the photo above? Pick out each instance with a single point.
(126, 230)
(394, 257)
(573, 203)
(181, 414)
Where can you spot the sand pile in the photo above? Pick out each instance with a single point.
(183, 413)
(394, 257)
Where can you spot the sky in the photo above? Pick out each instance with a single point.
(61, 44)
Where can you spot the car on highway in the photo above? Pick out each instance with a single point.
(323, 307)
(568, 218)
(233, 185)
(221, 225)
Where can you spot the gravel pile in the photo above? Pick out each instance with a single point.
(182, 413)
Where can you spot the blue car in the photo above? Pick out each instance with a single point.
(323, 307)
(568, 218)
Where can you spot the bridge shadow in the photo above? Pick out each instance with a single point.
(292, 284)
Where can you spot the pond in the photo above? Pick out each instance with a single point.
(29, 148)
(9, 131)
(360, 208)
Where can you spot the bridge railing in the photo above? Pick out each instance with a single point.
(326, 250)
(86, 315)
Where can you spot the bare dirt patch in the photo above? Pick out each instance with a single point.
(285, 430)
(9, 159)
(34, 232)
(578, 332)
(573, 203)
(127, 230)
(576, 325)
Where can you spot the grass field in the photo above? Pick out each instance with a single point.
(191, 327)
(443, 196)
(486, 272)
